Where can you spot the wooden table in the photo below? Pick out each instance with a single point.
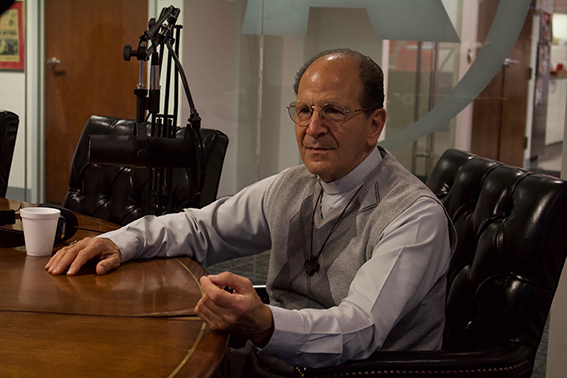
(136, 321)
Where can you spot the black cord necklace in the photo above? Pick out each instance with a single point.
(312, 263)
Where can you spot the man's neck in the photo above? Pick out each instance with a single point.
(355, 177)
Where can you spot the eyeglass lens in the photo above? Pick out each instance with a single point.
(301, 113)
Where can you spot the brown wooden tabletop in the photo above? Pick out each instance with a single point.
(136, 321)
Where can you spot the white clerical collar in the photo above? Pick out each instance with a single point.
(355, 177)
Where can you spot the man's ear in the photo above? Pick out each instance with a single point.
(377, 122)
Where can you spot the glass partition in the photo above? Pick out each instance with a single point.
(241, 58)
(420, 74)
(242, 69)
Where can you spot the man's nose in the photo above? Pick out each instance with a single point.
(316, 127)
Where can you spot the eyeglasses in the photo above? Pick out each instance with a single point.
(330, 114)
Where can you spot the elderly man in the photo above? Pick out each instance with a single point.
(359, 246)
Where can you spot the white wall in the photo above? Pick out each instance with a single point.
(19, 94)
(13, 98)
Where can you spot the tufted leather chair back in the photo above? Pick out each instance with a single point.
(511, 226)
(8, 130)
(122, 194)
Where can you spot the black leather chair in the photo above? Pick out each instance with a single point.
(122, 194)
(8, 131)
(512, 227)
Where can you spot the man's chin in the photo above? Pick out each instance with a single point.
(320, 169)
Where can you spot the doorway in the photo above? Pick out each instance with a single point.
(86, 75)
(499, 113)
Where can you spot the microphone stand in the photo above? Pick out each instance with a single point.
(151, 44)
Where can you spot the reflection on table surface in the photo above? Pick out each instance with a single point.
(135, 321)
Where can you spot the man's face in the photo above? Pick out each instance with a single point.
(327, 151)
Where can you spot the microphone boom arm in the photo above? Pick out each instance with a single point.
(138, 149)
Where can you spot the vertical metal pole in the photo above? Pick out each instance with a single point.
(176, 81)
(433, 85)
(259, 114)
(167, 81)
(416, 105)
(141, 95)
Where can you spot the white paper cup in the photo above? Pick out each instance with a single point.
(40, 225)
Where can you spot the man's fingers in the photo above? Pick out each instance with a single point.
(241, 312)
(112, 262)
(216, 293)
(212, 305)
(55, 259)
(237, 283)
(79, 260)
(85, 252)
(203, 307)
(217, 318)
(222, 279)
(110, 257)
(209, 317)
(77, 255)
(58, 263)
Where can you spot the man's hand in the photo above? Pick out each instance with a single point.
(241, 312)
(76, 255)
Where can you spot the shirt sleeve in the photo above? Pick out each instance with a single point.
(411, 256)
(228, 228)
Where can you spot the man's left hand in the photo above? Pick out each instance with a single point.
(241, 312)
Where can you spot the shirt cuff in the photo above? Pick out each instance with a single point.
(289, 333)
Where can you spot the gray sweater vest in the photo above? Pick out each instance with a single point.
(387, 192)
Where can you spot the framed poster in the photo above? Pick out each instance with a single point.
(12, 37)
(546, 32)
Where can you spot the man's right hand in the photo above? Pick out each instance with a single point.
(76, 255)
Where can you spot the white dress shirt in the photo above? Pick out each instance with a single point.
(412, 255)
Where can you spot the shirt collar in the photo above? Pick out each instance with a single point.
(355, 177)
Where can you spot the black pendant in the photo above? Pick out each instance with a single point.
(311, 265)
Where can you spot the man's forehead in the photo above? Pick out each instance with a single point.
(330, 72)
(334, 61)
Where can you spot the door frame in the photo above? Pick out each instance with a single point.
(34, 127)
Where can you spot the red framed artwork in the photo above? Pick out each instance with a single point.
(12, 38)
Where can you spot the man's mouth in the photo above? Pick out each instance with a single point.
(319, 148)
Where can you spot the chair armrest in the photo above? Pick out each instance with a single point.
(262, 293)
(512, 360)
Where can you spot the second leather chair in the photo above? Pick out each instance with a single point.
(8, 130)
(122, 194)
